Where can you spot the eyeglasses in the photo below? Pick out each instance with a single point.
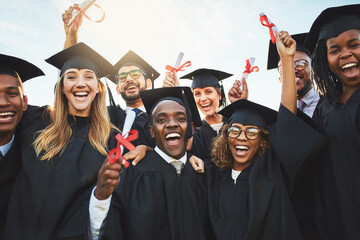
(251, 133)
(135, 74)
(299, 65)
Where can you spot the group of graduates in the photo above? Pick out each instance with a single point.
(244, 172)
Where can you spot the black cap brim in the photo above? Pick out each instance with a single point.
(151, 97)
(331, 22)
(132, 58)
(25, 69)
(273, 55)
(249, 113)
(81, 56)
(204, 77)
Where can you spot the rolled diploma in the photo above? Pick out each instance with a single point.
(84, 5)
(274, 28)
(178, 60)
(245, 75)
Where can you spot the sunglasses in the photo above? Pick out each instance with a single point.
(299, 65)
(251, 133)
(134, 74)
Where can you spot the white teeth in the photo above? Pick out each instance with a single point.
(81, 93)
(348, 65)
(241, 147)
(4, 114)
(172, 135)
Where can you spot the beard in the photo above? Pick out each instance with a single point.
(129, 98)
(305, 89)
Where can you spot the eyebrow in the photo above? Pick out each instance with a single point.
(349, 41)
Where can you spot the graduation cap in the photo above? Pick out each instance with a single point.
(333, 21)
(14, 66)
(206, 78)
(132, 59)
(273, 55)
(181, 95)
(81, 56)
(249, 113)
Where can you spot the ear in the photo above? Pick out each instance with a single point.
(25, 106)
(151, 129)
(148, 84)
(117, 89)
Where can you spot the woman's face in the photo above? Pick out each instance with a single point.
(343, 53)
(242, 149)
(207, 100)
(80, 89)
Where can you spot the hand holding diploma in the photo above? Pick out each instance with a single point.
(171, 79)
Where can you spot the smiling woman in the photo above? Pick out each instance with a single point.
(71, 141)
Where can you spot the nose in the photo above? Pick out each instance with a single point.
(202, 97)
(128, 77)
(172, 123)
(81, 82)
(346, 53)
(242, 136)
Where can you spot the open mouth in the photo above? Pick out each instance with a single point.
(206, 107)
(241, 150)
(81, 95)
(173, 138)
(350, 70)
(6, 116)
(132, 87)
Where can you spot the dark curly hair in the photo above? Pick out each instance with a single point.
(327, 82)
(220, 153)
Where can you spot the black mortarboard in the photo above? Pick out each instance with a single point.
(182, 95)
(132, 59)
(81, 56)
(11, 65)
(206, 78)
(249, 113)
(333, 21)
(273, 55)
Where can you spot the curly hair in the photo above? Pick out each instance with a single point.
(327, 82)
(220, 153)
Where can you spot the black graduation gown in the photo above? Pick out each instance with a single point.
(50, 198)
(259, 206)
(338, 178)
(141, 124)
(153, 202)
(9, 167)
(206, 135)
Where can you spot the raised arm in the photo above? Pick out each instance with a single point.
(72, 31)
(286, 47)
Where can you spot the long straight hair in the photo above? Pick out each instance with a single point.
(54, 138)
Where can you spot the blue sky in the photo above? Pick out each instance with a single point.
(212, 34)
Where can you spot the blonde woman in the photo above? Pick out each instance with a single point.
(63, 148)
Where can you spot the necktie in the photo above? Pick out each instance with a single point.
(178, 165)
(137, 112)
(300, 105)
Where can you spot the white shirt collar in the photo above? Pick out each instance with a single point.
(169, 159)
(142, 108)
(5, 148)
(309, 97)
(235, 174)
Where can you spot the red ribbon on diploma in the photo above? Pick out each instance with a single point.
(181, 68)
(115, 154)
(249, 69)
(265, 22)
(97, 21)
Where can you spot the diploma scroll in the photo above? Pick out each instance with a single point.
(84, 5)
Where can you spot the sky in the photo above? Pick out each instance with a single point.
(211, 33)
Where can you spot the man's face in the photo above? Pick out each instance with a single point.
(130, 87)
(12, 103)
(302, 67)
(302, 76)
(169, 124)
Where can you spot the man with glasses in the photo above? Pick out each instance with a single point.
(307, 97)
(133, 75)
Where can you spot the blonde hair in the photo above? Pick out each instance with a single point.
(220, 153)
(54, 138)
